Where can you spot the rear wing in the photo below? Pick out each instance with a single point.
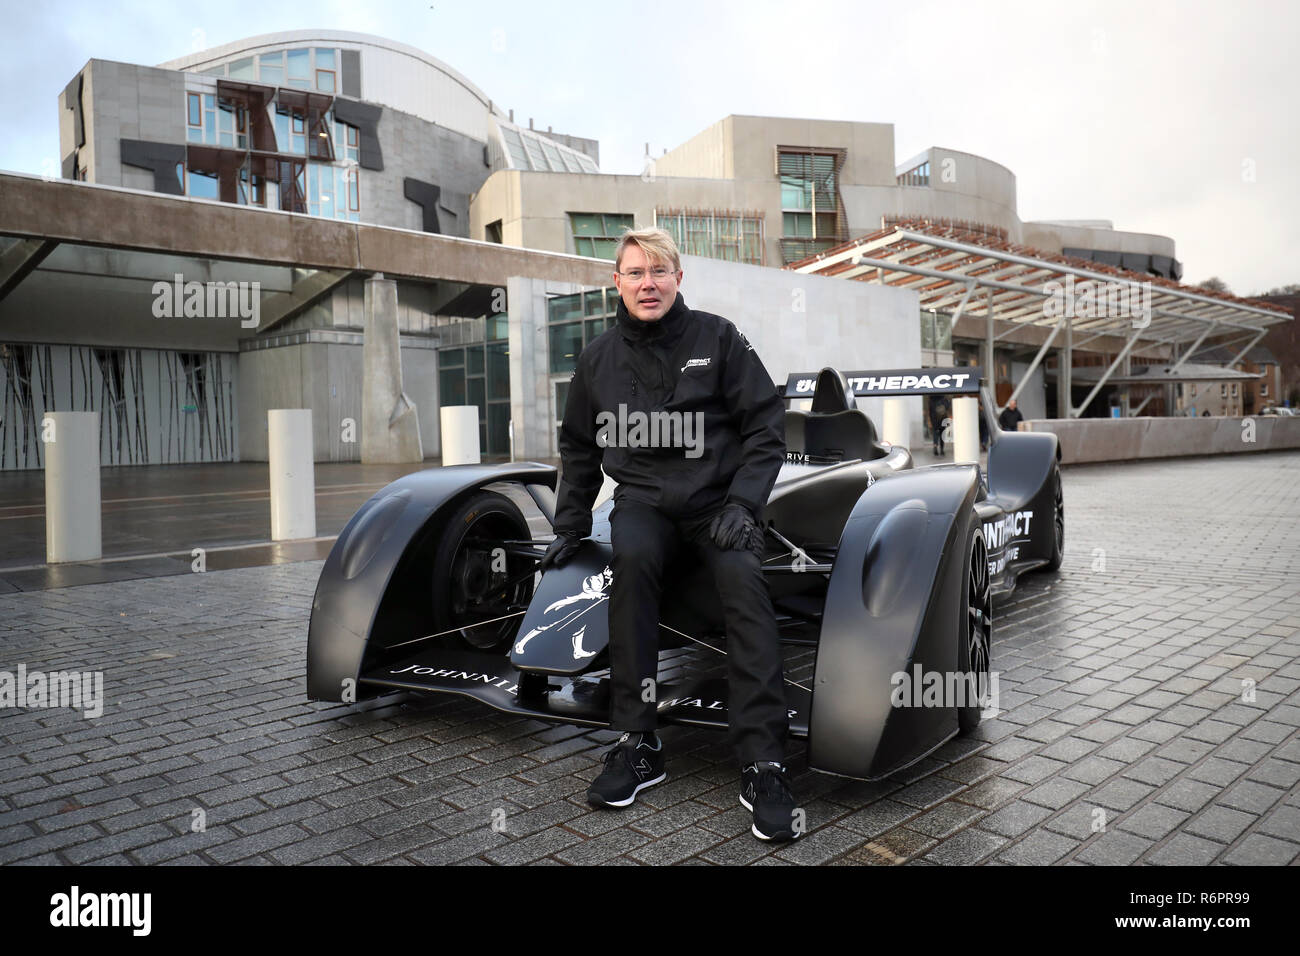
(964, 380)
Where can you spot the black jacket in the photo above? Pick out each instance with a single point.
(1009, 419)
(686, 363)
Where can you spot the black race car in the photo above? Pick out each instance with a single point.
(882, 573)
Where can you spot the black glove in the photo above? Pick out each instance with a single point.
(734, 529)
(560, 550)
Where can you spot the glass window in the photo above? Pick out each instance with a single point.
(324, 58)
(299, 67)
(270, 68)
(195, 117)
(498, 428)
(592, 328)
(594, 303)
(498, 370)
(325, 81)
(476, 389)
(203, 185)
(451, 386)
(475, 358)
(451, 358)
(565, 343)
(561, 308)
(1223, 391)
(242, 69)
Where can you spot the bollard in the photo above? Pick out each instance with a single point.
(966, 429)
(72, 515)
(460, 435)
(293, 475)
(896, 428)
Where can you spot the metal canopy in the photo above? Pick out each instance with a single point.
(946, 263)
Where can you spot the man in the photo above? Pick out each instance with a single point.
(938, 414)
(664, 357)
(1010, 418)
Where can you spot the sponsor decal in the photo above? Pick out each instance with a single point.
(1009, 527)
(466, 677)
(595, 591)
(931, 381)
(999, 535)
(697, 363)
(578, 652)
(702, 703)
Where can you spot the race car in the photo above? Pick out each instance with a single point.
(882, 576)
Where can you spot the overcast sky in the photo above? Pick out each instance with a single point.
(1175, 118)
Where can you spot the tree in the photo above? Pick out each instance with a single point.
(1214, 284)
(1292, 289)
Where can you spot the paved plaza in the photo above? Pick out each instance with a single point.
(1149, 695)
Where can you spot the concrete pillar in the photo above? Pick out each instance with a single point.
(459, 429)
(390, 426)
(1065, 361)
(965, 429)
(895, 426)
(72, 513)
(293, 475)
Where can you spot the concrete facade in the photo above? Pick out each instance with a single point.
(1087, 440)
(731, 165)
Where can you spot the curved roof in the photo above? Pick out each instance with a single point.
(216, 54)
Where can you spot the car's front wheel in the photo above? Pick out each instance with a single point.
(975, 632)
(1058, 521)
(482, 575)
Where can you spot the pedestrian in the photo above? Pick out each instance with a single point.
(663, 356)
(1010, 418)
(938, 413)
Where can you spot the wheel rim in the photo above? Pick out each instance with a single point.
(480, 592)
(979, 617)
(1060, 516)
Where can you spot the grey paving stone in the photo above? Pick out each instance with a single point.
(1153, 821)
(1015, 819)
(1114, 848)
(1221, 824)
(1038, 849)
(1260, 850)
(1185, 850)
(969, 846)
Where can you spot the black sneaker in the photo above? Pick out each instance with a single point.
(765, 790)
(630, 766)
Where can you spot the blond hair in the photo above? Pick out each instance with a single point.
(657, 244)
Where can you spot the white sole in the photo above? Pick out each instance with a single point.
(628, 802)
(754, 827)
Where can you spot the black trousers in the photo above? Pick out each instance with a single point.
(644, 540)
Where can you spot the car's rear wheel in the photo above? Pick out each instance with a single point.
(1058, 521)
(975, 632)
(482, 572)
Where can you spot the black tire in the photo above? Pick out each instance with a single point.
(975, 630)
(469, 583)
(1058, 521)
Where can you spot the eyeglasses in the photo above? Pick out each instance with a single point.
(659, 274)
